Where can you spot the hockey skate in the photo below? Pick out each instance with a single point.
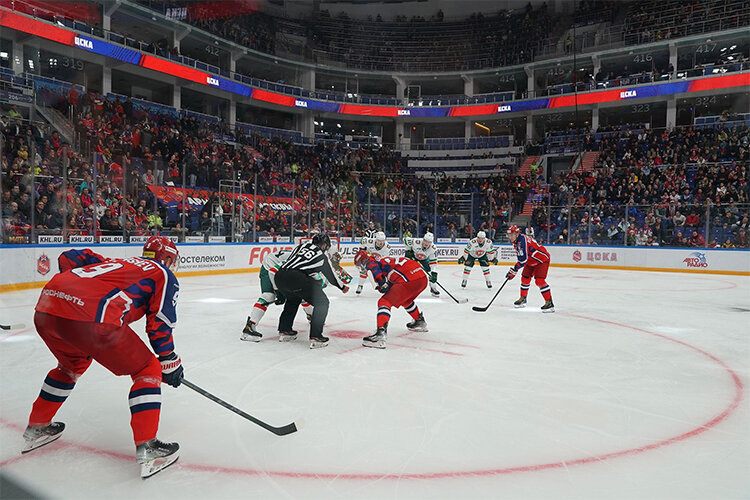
(289, 336)
(39, 436)
(249, 333)
(489, 284)
(434, 291)
(548, 306)
(463, 284)
(359, 289)
(318, 342)
(521, 302)
(418, 325)
(155, 455)
(377, 339)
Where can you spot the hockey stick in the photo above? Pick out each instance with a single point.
(482, 309)
(17, 326)
(462, 301)
(279, 431)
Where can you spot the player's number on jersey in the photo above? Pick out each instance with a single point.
(98, 270)
(308, 254)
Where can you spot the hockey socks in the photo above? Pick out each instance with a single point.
(145, 402)
(525, 283)
(544, 288)
(540, 282)
(384, 314)
(413, 310)
(260, 306)
(56, 388)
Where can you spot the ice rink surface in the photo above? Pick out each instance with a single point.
(637, 387)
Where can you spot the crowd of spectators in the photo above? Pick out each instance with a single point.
(648, 21)
(685, 187)
(434, 43)
(337, 188)
(669, 183)
(481, 41)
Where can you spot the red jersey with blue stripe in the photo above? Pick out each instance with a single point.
(117, 292)
(395, 270)
(529, 252)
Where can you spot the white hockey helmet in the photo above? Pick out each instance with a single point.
(481, 235)
(380, 236)
(429, 237)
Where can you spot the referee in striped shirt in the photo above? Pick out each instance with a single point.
(296, 280)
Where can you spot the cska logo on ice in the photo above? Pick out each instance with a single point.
(696, 259)
(42, 264)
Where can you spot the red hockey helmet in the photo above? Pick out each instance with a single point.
(514, 229)
(362, 258)
(162, 249)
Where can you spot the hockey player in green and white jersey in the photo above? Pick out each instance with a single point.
(376, 244)
(423, 250)
(268, 294)
(478, 249)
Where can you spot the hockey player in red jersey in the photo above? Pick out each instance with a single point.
(400, 280)
(534, 259)
(83, 315)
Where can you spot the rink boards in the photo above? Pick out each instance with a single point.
(30, 266)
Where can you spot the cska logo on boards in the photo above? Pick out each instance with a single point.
(696, 260)
(627, 93)
(212, 81)
(43, 265)
(404, 112)
(503, 108)
(300, 104)
(83, 43)
(595, 256)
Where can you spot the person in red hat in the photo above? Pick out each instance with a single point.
(83, 315)
(534, 259)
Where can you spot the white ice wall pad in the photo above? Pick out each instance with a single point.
(29, 264)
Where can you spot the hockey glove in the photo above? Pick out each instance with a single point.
(511, 273)
(171, 369)
(462, 260)
(410, 255)
(494, 261)
(433, 277)
(384, 287)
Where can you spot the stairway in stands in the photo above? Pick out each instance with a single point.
(526, 166)
(536, 195)
(589, 160)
